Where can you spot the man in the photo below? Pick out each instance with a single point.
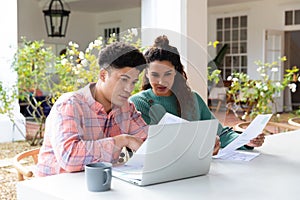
(94, 123)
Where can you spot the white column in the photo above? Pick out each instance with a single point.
(8, 46)
(185, 24)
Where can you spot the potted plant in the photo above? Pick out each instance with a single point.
(43, 77)
(261, 94)
(32, 64)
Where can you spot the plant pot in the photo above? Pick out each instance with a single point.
(32, 128)
(295, 121)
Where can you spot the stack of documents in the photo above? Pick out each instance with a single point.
(253, 130)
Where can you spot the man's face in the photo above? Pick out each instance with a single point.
(118, 85)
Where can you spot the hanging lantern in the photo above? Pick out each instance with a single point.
(56, 19)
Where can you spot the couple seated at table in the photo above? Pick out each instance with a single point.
(95, 123)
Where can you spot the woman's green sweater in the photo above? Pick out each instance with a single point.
(153, 108)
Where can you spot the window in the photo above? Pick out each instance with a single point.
(233, 32)
(109, 31)
(292, 17)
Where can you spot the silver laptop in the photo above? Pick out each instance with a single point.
(171, 152)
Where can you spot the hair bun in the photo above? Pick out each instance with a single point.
(161, 41)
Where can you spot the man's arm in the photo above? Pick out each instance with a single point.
(74, 143)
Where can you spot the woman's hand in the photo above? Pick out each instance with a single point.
(217, 145)
(258, 141)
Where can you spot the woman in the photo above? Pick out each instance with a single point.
(165, 89)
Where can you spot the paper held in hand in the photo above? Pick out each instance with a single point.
(253, 130)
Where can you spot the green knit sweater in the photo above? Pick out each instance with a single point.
(153, 108)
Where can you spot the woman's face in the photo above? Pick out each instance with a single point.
(161, 76)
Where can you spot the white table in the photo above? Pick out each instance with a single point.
(275, 174)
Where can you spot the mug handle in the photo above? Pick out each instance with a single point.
(108, 176)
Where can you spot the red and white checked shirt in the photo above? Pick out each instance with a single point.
(78, 131)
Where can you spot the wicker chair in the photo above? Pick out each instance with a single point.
(25, 171)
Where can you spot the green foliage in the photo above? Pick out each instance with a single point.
(7, 99)
(77, 68)
(39, 70)
(32, 62)
(261, 93)
(214, 76)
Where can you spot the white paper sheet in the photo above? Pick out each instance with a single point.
(252, 131)
(171, 119)
(239, 156)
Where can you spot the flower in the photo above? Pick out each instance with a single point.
(244, 116)
(64, 61)
(262, 92)
(258, 85)
(134, 31)
(98, 42)
(84, 62)
(274, 69)
(277, 84)
(81, 55)
(265, 88)
(73, 44)
(214, 44)
(91, 46)
(292, 87)
(235, 79)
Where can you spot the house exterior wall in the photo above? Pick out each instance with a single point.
(262, 15)
(125, 19)
(82, 28)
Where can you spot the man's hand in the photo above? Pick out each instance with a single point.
(258, 141)
(129, 141)
(217, 145)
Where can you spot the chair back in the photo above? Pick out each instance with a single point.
(22, 170)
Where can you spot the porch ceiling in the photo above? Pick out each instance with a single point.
(111, 5)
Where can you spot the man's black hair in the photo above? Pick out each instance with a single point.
(119, 55)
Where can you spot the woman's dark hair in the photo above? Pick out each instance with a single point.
(162, 51)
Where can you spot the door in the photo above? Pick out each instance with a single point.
(274, 49)
(292, 52)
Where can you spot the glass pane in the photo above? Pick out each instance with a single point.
(218, 48)
(227, 35)
(243, 47)
(227, 73)
(244, 61)
(243, 34)
(236, 69)
(236, 61)
(219, 23)
(228, 48)
(297, 16)
(227, 22)
(228, 61)
(220, 36)
(244, 70)
(235, 22)
(235, 47)
(288, 17)
(235, 35)
(277, 43)
(244, 21)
